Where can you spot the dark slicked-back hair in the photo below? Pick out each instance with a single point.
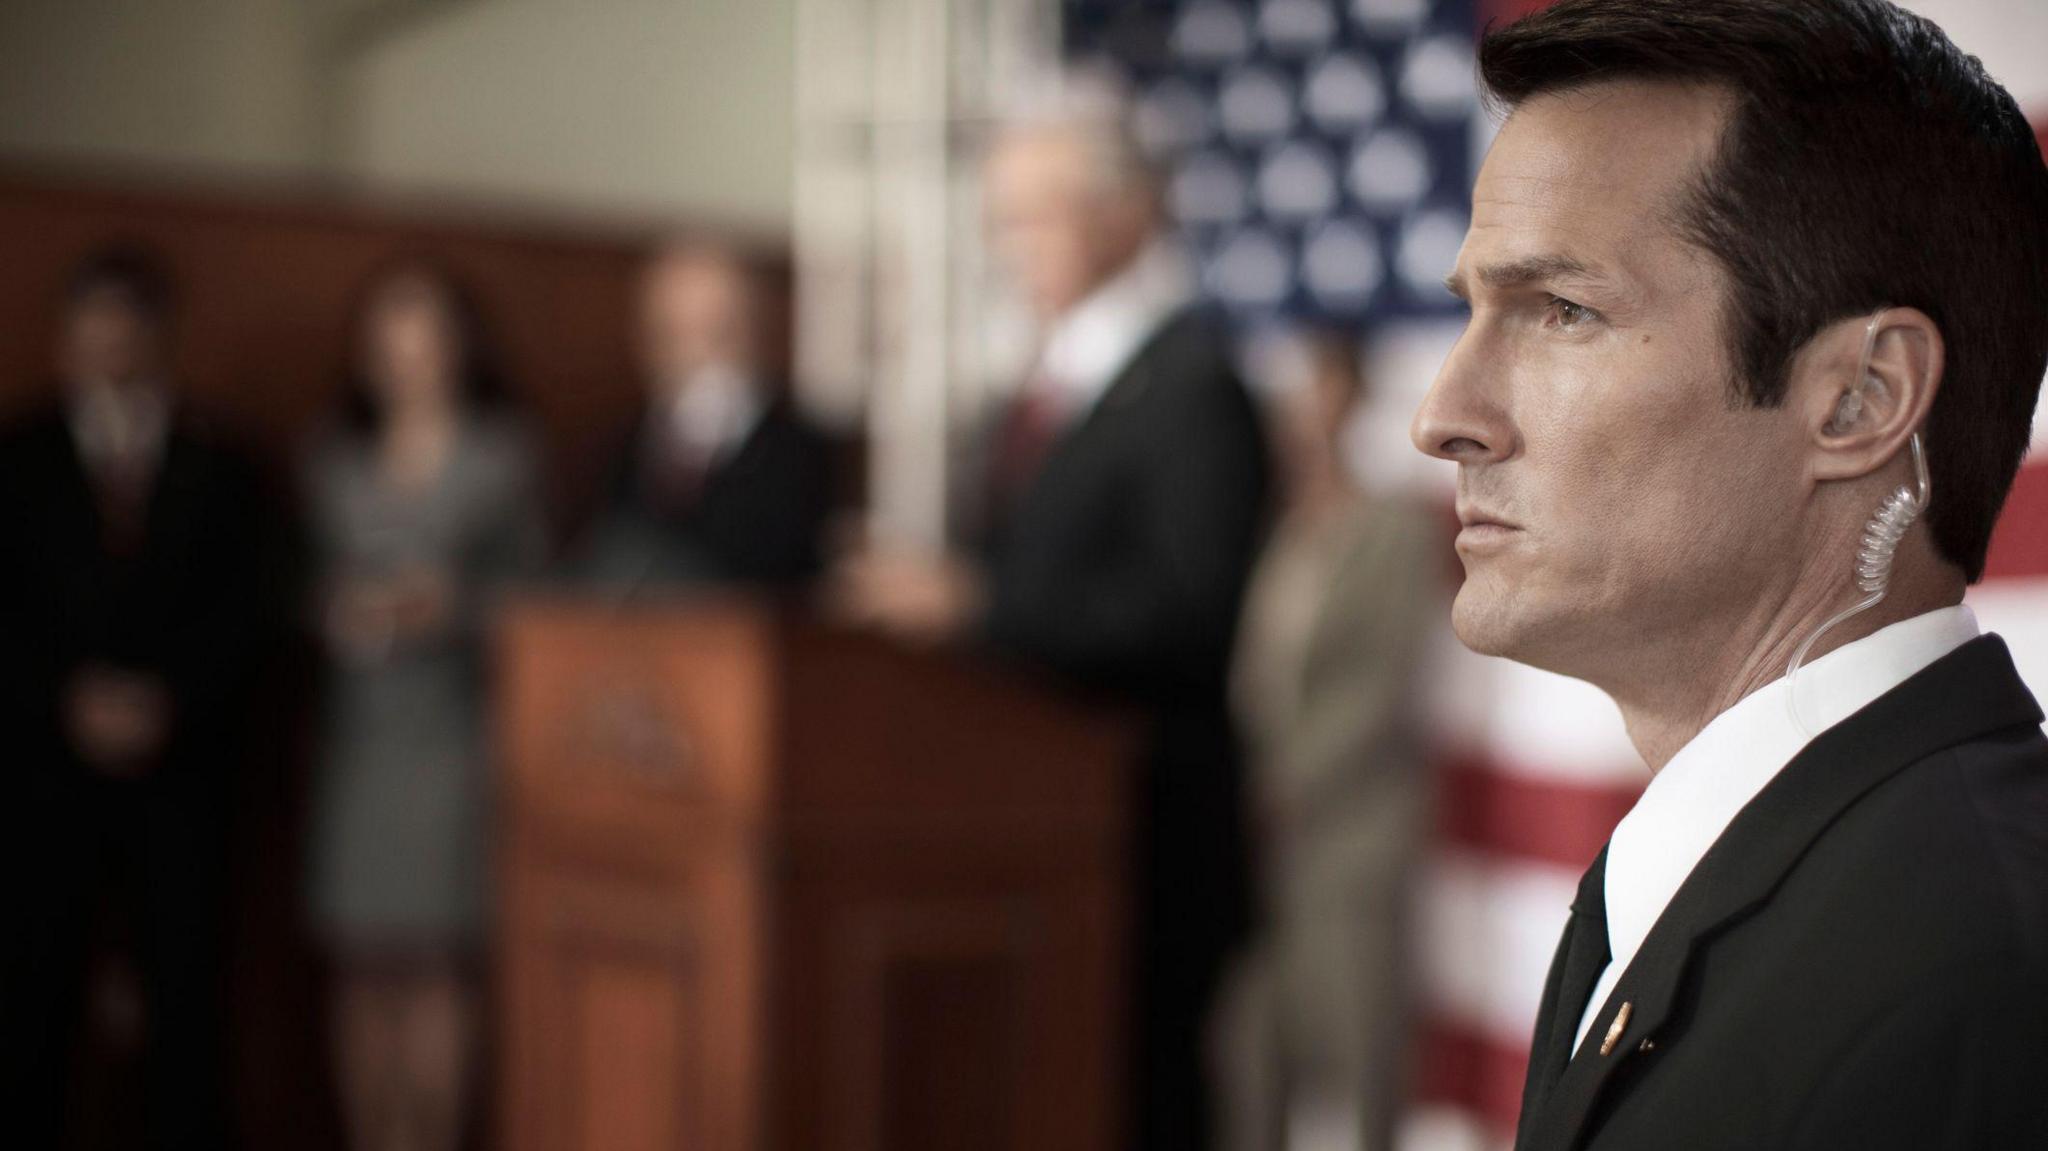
(1867, 162)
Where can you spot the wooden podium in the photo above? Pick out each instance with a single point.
(765, 884)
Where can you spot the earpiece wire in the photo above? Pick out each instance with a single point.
(1881, 537)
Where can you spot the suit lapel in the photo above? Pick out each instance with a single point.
(740, 457)
(1565, 993)
(1971, 692)
(1096, 425)
(67, 470)
(71, 498)
(1129, 386)
(178, 474)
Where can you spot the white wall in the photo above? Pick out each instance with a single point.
(647, 108)
(196, 84)
(673, 106)
(650, 107)
(2010, 36)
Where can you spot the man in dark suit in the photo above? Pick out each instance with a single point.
(1125, 494)
(718, 480)
(131, 595)
(1756, 332)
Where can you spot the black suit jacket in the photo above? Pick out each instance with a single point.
(757, 519)
(195, 603)
(1123, 563)
(1119, 568)
(1860, 961)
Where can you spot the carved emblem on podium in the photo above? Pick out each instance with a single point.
(631, 725)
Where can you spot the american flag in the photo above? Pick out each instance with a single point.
(1318, 154)
(1319, 157)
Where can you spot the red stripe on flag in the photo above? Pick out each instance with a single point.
(1500, 813)
(1461, 1068)
(2019, 545)
(1501, 13)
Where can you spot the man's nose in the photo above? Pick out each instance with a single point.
(1460, 419)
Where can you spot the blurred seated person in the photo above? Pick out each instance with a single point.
(1125, 486)
(718, 480)
(133, 598)
(1326, 688)
(424, 503)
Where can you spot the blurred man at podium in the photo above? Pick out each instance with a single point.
(718, 480)
(1125, 489)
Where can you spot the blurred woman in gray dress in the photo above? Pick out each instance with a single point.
(424, 507)
(1309, 1039)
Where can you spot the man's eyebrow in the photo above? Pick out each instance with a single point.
(1523, 272)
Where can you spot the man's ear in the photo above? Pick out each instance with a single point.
(1865, 387)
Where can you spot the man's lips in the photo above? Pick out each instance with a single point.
(1482, 528)
(1469, 517)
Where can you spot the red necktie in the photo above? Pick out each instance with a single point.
(121, 482)
(674, 476)
(1029, 429)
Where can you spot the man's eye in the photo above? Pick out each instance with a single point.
(1566, 314)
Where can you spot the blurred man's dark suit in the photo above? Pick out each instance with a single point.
(754, 515)
(1120, 565)
(1860, 961)
(178, 597)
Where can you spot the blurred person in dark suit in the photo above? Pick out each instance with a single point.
(718, 479)
(133, 588)
(1126, 489)
(1311, 1039)
(424, 503)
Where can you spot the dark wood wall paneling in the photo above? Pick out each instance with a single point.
(267, 282)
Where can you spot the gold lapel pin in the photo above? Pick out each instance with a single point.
(1615, 1029)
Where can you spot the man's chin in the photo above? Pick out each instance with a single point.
(1529, 629)
(1481, 640)
(1484, 621)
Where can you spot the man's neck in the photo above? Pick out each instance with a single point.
(1665, 711)
(120, 419)
(1085, 345)
(146, 389)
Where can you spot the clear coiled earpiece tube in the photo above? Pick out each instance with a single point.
(1881, 538)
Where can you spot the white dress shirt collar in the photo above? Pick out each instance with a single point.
(1691, 802)
(1090, 345)
(713, 412)
(115, 426)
